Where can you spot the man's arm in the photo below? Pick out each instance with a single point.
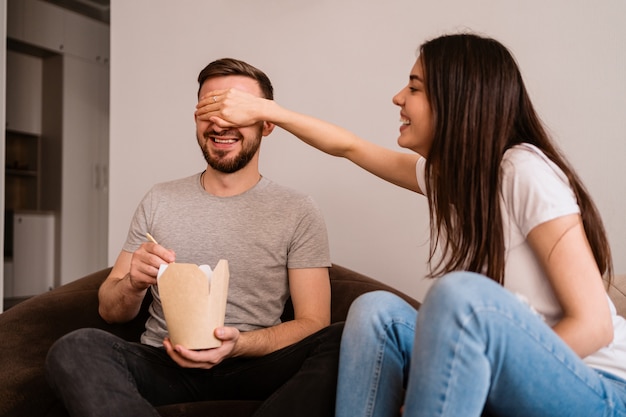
(310, 295)
(121, 294)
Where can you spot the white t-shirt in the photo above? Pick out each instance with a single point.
(534, 191)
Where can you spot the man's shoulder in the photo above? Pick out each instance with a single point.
(270, 187)
(179, 184)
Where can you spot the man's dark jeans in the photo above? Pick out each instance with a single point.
(98, 374)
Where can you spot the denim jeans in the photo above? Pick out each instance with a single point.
(96, 373)
(474, 349)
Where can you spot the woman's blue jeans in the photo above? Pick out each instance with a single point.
(474, 348)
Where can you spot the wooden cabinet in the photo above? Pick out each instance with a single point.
(84, 194)
(22, 172)
(22, 159)
(37, 23)
(58, 129)
(33, 253)
(94, 47)
(24, 74)
(48, 26)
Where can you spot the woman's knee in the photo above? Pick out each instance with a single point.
(379, 308)
(459, 289)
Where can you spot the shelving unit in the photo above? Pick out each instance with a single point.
(56, 160)
(22, 171)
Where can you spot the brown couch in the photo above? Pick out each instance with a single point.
(29, 329)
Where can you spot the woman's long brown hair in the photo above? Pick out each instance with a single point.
(480, 109)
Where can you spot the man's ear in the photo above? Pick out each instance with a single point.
(267, 128)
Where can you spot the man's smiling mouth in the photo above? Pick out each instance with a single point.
(222, 140)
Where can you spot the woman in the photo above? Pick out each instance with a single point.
(518, 323)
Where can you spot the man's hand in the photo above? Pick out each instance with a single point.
(208, 358)
(145, 263)
(121, 294)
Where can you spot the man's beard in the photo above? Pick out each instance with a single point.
(218, 160)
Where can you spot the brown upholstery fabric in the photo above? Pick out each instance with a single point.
(348, 285)
(28, 330)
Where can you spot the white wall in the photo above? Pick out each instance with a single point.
(343, 60)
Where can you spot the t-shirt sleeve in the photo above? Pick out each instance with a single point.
(534, 189)
(139, 224)
(420, 170)
(309, 247)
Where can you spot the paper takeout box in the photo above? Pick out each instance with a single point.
(194, 302)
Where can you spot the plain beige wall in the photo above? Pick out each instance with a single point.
(343, 61)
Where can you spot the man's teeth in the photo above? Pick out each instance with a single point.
(217, 140)
(405, 121)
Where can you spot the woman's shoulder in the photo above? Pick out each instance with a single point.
(528, 160)
(524, 152)
(533, 188)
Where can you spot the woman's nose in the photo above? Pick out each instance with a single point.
(398, 99)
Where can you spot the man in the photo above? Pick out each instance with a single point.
(275, 242)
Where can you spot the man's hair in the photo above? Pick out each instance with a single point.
(480, 109)
(230, 66)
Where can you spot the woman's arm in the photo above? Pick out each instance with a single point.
(564, 252)
(232, 107)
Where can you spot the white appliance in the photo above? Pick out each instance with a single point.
(33, 253)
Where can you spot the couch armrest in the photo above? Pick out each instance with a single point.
(27, 331)
(346, 285)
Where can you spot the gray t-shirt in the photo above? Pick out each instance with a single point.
(261, 233)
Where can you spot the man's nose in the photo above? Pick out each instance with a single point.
(215, 128)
